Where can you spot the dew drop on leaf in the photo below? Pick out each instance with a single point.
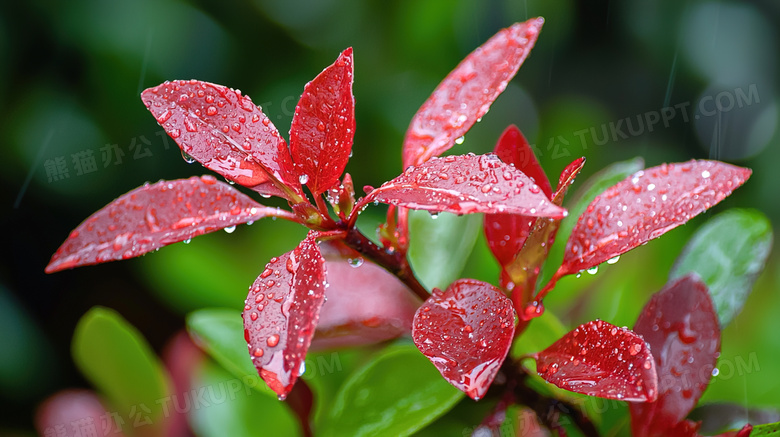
(230, 229)
(187, 158)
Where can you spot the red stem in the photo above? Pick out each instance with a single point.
(394, 262)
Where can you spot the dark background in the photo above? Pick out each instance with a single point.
(72, 73)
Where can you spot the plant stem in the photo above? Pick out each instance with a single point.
(393, 262)
(548, 409)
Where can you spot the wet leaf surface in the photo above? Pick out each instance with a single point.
(467, 92)
(281, 314)
(225, 132)
(506, 233)
(323, 126)
(466, 332)
(645, 206)
(603, 360)
(729, 253)
(681, 327)
(154, 216)
(466, 184)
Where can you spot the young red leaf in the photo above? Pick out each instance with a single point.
(466, 332)
(467, 92)
(281, 313)
(645, 206)
(681, 327)
(466, 184)
(525, 268)
(323, 126)
(600, 359)
(365, 305)
(154, 216)
(342, 197)
(506, 233)
(225, 132)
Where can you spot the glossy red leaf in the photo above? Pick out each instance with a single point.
(466, 184)
(365, 303)
(323, 126)
(603, 360)
(466, 332)
(645, 206)
(681, 326)
(154, 216)
(467, 92)
(225, 132)
(281, 313)
(506, 233)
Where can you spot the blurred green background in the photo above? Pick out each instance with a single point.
(666, 80)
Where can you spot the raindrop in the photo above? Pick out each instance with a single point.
(272, 340)
(705, 174)
(355, 262)
(302, 368)
(613, 260)
(281, 397)
(230, 229)
(187, 241)
(593, 270)
(715, 372)
(187, 158)
(434, 215)
(460, 140)
(303, 179)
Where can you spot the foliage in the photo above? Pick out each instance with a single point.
(466, 330)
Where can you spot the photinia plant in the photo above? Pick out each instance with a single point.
(466, 330)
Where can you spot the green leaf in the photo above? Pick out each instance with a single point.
(220, 333)
(767, 430)
(227, 407)
(728, 252)
(119, 362)
(439, 247)
(594, 186)
(396, 393)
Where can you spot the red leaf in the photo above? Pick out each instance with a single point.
(225, 132)
(506, 233)
(281, 313)
(342, 197)
(154, 216)
(466, 184)
(681, 327)
(645, 206)
(467, 92)
(466, 332)
(365, 304)
(323, 126)
(600, 359)
(526, 265)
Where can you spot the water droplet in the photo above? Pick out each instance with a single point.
(434, 215)
(593, 270)
(303, 179)
(460, 140)
(281, 397)
(230, 229)
(302, 368)
(705, 174)
(715, 372)
(187, 158)
(272, 340)
(635, 349)
(187, 241)
(613, 260)
(355, 262)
